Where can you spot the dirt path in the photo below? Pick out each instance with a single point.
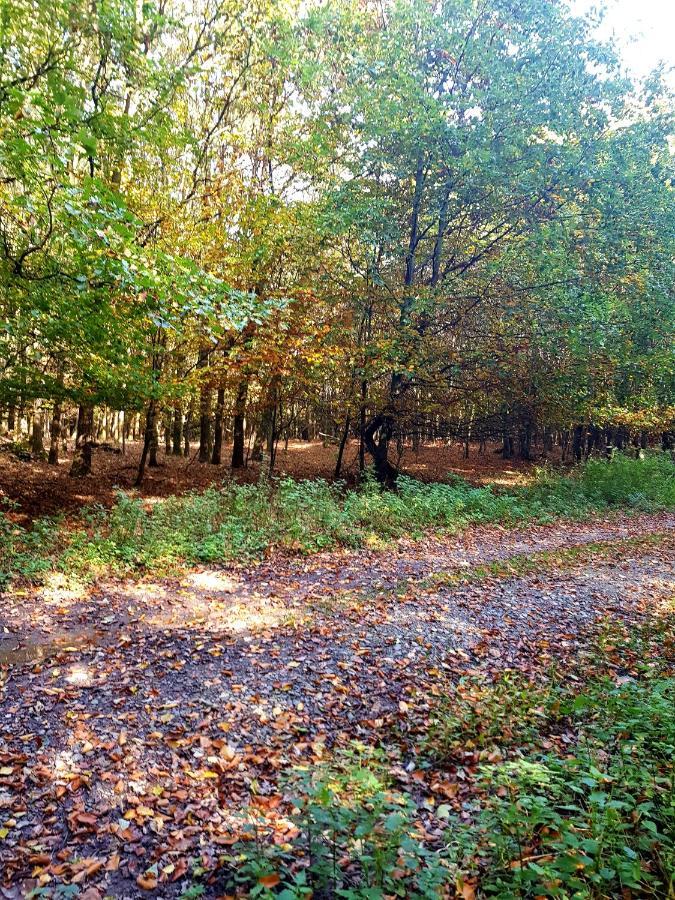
(135, 720)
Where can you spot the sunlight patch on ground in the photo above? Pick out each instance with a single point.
(80, 675)
(60, 589)
(144, 591)
(211, 581)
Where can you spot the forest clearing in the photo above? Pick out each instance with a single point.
(337, 450)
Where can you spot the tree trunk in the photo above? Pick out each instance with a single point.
(578, 442)
(218, 428)
(147, 441)
(187, 426)
(341, 448)
(154, 440)
(54, 434)
(238, 434)
(81, 464)
(177, 431)
(167, 432)
(382, 425)
(204, 409)
(37, 446)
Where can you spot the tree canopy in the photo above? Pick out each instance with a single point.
(394, 220)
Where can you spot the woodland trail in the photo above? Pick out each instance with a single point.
(168, 704)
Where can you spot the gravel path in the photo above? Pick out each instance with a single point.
(113, 700)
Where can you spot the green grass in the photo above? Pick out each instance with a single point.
(565, 788)
(238, 522)
(520, 565)
(576, 794)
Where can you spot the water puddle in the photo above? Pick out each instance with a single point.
(16, 651)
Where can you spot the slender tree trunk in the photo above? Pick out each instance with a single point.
(37, 435)
(187, 427)
(577, 442)
(154, 440)
(204, 409)
(167, 432)
(218, 428)
(238, 430)
(177, 423)
(147, 441)
(81, 464)
(341, 448)
(54, 434)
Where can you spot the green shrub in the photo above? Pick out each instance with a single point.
(356, 838)
(590, 816)
(238, 522)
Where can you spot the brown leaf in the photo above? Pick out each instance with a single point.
(147, 882)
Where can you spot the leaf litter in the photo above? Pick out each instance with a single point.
(140, 719)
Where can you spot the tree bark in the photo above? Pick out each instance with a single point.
(147, 441)
(177, 431)
(154, 440)
(341, 448)
(81, 464)
(54, 434)
(37, 446)
(578, 442)
(382, 425)
(218, 428)
(238, 436)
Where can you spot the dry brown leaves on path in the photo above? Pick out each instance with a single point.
(139, 720)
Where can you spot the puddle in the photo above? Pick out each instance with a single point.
(18, 652)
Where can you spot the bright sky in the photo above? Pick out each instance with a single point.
(644, 29)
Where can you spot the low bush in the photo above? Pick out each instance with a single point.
(579, 798)
(236, 522)
(353, 836)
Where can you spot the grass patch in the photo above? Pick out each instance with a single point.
(238, 522)
(573, 794)
(576, 793)
(521, 565)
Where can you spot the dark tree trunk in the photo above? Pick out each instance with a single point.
(54, 434)
(341, 448)
(11, 418)
(37, 436)
(167, 432)
(147, 441)
(187, 427)
(507, 448)
(204, 409)
(362, 426)
(177, 429)
(81, 464)
(218, 428)
(204, 424)
(525, 442)
(238, 432)
(154, 440)
(382, 425)
(578, 442)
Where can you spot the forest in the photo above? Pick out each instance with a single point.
(337, 452)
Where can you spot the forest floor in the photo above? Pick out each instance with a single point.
(43, 490)
(139, 718)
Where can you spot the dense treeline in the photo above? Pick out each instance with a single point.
(398, 222)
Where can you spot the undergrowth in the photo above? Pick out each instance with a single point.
(238, 522)
(570, 793)
(575, 795)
